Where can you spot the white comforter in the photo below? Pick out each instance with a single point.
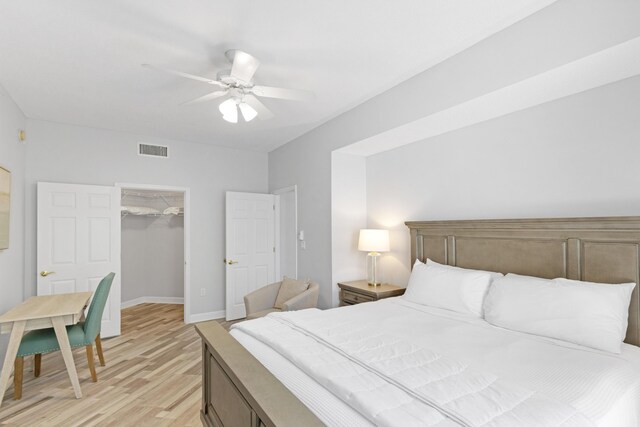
(398, 363)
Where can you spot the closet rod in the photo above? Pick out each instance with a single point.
(148, 195)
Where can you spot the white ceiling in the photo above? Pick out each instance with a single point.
(78, 61)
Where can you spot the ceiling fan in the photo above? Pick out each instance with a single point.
(238, 84)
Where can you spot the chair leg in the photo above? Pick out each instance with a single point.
(18, 372)
(37, 363)
(92, 366)
(99, 348)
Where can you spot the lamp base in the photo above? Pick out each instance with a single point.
(372, 269)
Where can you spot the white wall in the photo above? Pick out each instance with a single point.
(12, 157)
(577, 156)
(539, 43)
(72, 154)
(348, 216)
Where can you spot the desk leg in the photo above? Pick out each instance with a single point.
(17, 331)
(65, 349)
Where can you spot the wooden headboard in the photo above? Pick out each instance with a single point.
(602, 250)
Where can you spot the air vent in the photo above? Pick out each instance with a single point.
(153, 150)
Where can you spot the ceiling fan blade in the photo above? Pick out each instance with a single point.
(263, 112)
(186, 75)
(282, 93)
(207, 97)
(244, 65)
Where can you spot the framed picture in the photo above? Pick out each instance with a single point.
(5, 207)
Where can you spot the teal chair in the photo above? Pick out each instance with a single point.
(85, 333)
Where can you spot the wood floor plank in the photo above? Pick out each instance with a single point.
(152, 377)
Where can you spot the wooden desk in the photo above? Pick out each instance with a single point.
(42, 312)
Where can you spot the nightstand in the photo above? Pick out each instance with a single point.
(359, 291)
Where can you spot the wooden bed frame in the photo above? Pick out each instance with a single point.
(239, 391)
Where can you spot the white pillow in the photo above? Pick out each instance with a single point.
(447, 287)
(585, 313)
(494, 274)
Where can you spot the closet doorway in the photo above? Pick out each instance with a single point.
(155, 245)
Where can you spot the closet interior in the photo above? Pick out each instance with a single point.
(152, 247)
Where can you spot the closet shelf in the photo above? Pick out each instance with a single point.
(174, 210)
(150, 212)
(138, 208)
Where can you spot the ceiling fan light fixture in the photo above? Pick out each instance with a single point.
(231, 118)
(229, 110)
(248, 112)
(239, 85)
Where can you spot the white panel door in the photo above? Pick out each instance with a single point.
(288, 241)
(78, 243)
(250, 252)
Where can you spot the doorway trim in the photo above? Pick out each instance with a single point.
(277, 193)
(187, 234)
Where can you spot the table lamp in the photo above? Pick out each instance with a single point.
(373, 241)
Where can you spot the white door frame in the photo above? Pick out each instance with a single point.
(187, 234)
(278, 192)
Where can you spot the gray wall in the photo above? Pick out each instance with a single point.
(12, 157)
(72, 154)
(152, 247)
(348, 217)
(152, 257)
(563, 32)
(576, 156)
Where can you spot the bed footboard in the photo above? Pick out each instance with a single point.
(238, 391)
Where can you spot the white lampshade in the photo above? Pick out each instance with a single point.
(248, 112)
(372, 240)
(229, 110)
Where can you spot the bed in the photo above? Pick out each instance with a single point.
(319, 367)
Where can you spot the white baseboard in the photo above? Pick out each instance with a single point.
(203, 317)
(153, 300)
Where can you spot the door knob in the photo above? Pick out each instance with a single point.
(45, 273)
(231, 262)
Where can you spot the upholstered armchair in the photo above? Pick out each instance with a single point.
(298, 295)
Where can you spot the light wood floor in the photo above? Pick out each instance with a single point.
(152, 377)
